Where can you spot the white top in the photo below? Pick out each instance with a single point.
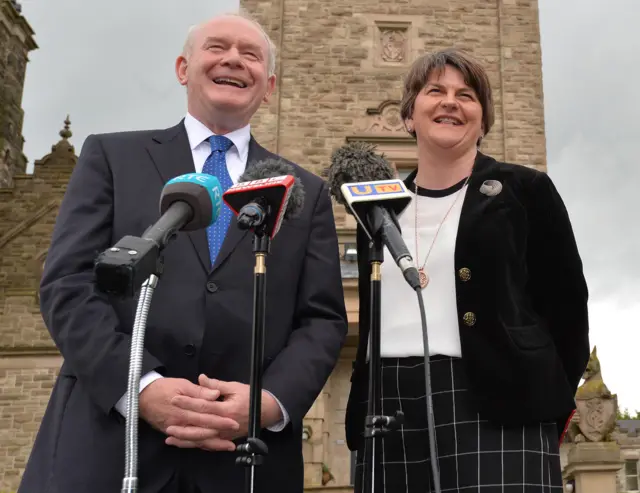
(401, 328)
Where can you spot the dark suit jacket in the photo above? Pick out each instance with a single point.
(200, 321)
(527, 346)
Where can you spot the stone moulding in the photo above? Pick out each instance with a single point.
(27, 223)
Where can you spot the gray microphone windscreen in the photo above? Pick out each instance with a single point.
(356, 162)
(269, 168)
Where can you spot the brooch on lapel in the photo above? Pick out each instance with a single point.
(491, 188)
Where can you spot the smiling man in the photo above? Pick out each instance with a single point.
(194, 393)
(228, 68)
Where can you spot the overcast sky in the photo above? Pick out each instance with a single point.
(110, 66)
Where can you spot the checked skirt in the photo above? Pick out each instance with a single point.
(474, 456)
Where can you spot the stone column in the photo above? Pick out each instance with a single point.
(593, 467)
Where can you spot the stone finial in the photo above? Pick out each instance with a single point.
(66, 133)
(62, 151)
(597, 407)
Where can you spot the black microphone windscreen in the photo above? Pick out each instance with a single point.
(269, 168)
(356, 162)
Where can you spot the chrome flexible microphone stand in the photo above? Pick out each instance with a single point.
(130, 480)
(119, 271)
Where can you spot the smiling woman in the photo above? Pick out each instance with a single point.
(505, 299)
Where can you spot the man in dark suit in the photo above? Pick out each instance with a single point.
(194, 393)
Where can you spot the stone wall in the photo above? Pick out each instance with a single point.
(27, 214)
(337, 59)
(340, 67)
(29, 361)
(25, 386)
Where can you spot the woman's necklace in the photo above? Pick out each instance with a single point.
(424, 277)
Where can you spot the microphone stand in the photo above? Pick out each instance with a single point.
(130, 480)
(376, 424)
(253, 451)
(119, 270)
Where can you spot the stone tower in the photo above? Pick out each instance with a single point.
(341, 63)
(29, 360)
(16, 41)
(340, 69)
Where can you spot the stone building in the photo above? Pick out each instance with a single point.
(16, 40)
(339, 77)
(28, 206)
(340, 68)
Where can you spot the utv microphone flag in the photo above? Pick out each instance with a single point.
(257, 201)
(375, 204)
(360, 196)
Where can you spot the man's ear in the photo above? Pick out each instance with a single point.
(181, 70)
(271, 86)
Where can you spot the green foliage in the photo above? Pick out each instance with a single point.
(625, 414)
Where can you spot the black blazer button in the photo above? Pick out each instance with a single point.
(464, 274)
(211, 287)
(469, 319)
(189, 350)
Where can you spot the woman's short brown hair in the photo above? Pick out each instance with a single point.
(473, 73)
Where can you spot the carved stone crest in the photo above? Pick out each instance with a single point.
(597, 407)
(393, 44)
(597, 418)
(385, 118)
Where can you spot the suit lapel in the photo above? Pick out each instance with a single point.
(475, 202)
(171, 154)
(234, 234)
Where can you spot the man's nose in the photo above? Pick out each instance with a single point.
(232, 58)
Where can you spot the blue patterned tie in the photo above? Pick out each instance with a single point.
(216, 165)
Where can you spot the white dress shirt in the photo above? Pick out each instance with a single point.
(236, 158)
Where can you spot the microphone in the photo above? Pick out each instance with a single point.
(267, 194)
(364, 182)
(187, 203)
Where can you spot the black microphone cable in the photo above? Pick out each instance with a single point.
(428, 392)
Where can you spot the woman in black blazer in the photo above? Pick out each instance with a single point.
(505, 299)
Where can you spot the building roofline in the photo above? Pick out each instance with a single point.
(15, 16)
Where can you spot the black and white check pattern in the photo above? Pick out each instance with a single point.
(474, 456)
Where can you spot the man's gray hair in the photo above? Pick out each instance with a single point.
(271, 55)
